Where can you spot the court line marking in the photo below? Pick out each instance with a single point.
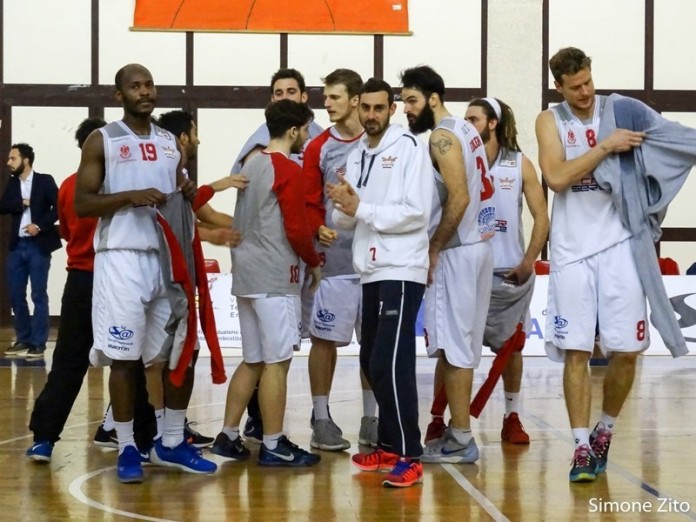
(474, 493)
(615, 468)
(76, 491)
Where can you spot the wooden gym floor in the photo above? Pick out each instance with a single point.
(651, 473)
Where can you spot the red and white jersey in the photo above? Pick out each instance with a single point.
(134, 162)
(584, 221)
(508, 242)
(478, 223)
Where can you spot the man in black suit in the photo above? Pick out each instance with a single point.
(30, 198)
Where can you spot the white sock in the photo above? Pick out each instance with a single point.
(321, 406)
(271, 441)
(124, 432)
(581, 436)
(159, 417)
(108, 422)
(231, 432)
(369, 403)
(461, 436)
(608, 422)
(512, 403)
(173, 428)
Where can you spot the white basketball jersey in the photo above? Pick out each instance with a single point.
(478, 223)
(508, 242)
(134, 162)
(584, 221)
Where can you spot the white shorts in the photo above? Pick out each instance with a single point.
(602, 288)
(130, 308)
(269, 326)
(337, 310)
(456, 304)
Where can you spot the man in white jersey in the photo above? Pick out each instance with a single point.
(128, 168)
(286, 84)
(461, 257)
(513, 267)
(336, 308)
(593, 276)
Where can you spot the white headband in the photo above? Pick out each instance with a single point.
(496, 107)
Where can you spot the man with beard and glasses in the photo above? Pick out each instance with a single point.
(128, 168)
(513, 272)
(386, 196)
(270, 213)
(30, 198)
(461, 256)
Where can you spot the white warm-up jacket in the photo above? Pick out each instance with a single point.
(395, 184)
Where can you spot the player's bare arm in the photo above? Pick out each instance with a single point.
(536, 202)
(560, 174)
(448, 158)
(90, 177)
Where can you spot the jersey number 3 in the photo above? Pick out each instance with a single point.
(487, 188)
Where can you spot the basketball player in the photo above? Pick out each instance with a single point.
(266, 282)
(336, 305)
(593, 276)
(386, 197)
(461, 256)
(513, 273)
(128, 168)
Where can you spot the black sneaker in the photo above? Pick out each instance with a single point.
(36, 352)
(17, 349)
(194, 438)
(106, 439)
(253, 430)
(230, 449)
(287, 454)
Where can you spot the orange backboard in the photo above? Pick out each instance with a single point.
(289, 16)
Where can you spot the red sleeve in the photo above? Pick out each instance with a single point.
(66, 199)
(205, 192)
(314, 183)
(288, 186)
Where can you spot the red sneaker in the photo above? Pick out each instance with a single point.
(405, 473)
(513, 431)
(436, 429)
(378, 460)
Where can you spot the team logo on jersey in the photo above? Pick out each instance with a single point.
(486, 222)
(559, 323)
(121, 333)
(571, 137)
(325, 316)
(501, 225)
(334, 157)
(125, 152)
(388, 162)
(169, 152)
(506, 183)
(508, 163)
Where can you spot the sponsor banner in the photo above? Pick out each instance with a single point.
(680, 289)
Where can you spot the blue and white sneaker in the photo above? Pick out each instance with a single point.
(130, 468)
(184, 457)
(253, 430)
(40, 452)
(448, 449)
(287, 454)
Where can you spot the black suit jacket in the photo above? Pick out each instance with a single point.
(44, 210)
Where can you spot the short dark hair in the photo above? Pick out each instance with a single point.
(289, 74)
(286, 114)
(25, 151)
(378, 85)
(424, 79)
(347, 77)
(568, 60)
(86, 128)
(176, 122)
